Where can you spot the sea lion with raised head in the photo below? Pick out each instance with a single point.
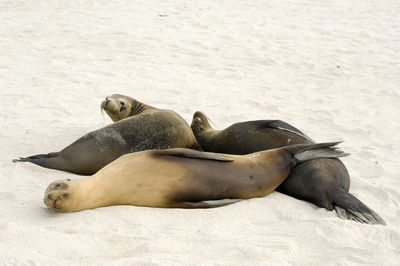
(182, 178)
(144, 128)
(324, 182)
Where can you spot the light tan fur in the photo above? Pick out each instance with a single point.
(182, 178)
(150, 178)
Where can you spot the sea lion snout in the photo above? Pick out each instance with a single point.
(197, 124)
(200, 122)
(105, 103)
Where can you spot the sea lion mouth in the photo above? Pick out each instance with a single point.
(104, 106)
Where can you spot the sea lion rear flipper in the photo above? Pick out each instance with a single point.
(279, 124)
(188, 153)
(50, 160)
(205, 204)
(32, 158)
(349, 207)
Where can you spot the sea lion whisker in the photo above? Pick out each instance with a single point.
(209, 119)
(102, 111)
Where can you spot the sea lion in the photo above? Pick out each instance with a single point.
(182, 178)
(145, 128)
(324, 182)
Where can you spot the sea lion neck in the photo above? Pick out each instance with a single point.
(207, 138)
(139, 107)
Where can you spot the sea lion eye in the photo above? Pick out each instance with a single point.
(198, 120)
(122, 103)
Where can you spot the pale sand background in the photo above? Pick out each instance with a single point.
(331, 68)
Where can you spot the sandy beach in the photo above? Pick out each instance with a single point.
(330, 68)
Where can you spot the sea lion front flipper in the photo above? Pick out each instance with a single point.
(279, 124)
(188, 153)
(205, 204)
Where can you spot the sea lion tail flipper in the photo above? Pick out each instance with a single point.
(305, 152)
(188, 153)
(206, 204)
(349, 207)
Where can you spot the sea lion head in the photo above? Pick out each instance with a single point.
(200, 123)
(118, 106)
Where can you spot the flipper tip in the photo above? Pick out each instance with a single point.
(17, 160)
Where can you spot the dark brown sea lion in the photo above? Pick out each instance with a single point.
(324, 182)
(145, 128)
(182, 178)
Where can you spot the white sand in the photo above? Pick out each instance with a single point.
(330, 68)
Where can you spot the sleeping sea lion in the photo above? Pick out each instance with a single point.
(145, 128)
(324, 182)
(182, 178)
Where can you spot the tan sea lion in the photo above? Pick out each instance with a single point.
(324, 182)
(182, 178)
(145, 128)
